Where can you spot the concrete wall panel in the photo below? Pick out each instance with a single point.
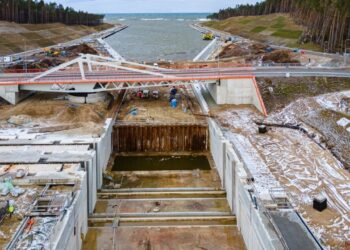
(217, 146)
(237, 91)
(103, 151)
(74, 225)
(251, 221)
(96, 97)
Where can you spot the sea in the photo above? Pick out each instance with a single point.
(154, 37)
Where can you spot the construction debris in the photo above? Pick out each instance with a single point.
(280, 56)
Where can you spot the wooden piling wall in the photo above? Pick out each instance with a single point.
(160, 138)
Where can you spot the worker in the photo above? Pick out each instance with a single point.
(173, 91)
(172, 95)
(30, 224)
(11, 207)
(173, 103)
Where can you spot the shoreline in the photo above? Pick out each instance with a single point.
(199, 26)
(101, 34)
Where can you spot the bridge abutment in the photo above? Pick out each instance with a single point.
(13, 94)
(237, 91)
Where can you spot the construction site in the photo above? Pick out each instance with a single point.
(100, 153)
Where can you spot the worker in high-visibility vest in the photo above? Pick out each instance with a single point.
(11, 207)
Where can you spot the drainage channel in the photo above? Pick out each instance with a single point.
(176, 205)
(161, 189)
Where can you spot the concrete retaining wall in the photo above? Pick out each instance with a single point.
(12, 94)
(96, 97)
(110, 50)
(92, 167)
(217, 147)
(237, 91)
(90, 98)
(69, 231)
(104, 149)
(255, 227)
(208, 50)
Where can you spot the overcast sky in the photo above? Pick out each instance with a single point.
(150, 6)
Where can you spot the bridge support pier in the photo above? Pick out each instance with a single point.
(12, 94)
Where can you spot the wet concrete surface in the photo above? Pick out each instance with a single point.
(206, 178)
(179, 238)
(161, 205)
(294, 231)
(160, 163)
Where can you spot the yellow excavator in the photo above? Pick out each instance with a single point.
(208, 36)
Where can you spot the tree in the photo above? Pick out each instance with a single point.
(327, 21)
(29, 11)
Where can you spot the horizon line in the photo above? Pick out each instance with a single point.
(155, 13)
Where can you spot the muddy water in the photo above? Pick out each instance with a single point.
(160, 163)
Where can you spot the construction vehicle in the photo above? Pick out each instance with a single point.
(56, 53)
(52, 52)
(208, 36)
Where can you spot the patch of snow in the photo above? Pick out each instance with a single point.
(343, 122)
(287, 158)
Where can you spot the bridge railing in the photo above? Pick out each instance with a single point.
(287, 65)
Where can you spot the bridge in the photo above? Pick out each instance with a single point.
(92, 73)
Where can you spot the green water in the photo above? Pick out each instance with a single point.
(159, 163)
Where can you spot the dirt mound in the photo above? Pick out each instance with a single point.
(233, 50)
(258, 48)
(84, 113)
(42, 64)
(48, 62)
(45, 108)
(280, 56)
(81, 48)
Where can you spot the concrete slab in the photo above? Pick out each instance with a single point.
(184, 237)
(207, 178)
(161, 205)
(294, 231)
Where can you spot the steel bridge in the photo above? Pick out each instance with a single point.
(92, 73)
